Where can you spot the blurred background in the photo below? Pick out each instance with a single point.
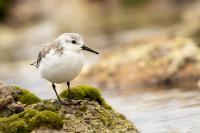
(149, 66)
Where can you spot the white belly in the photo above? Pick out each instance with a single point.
(60, 69)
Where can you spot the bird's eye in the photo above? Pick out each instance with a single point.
(74, 41)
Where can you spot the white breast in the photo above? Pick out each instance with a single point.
(61, 68)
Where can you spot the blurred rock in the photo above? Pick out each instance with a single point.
(160, 60)
(4, 6)
(29, 24)
(22, 12)
(190, 26)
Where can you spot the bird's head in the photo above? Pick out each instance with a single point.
(73, 42)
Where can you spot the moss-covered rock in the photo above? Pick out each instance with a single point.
(13, 99)
(90, 116)
(87, 112)
(30, 119)
(51, 105)
(26, 97)
(86, 92)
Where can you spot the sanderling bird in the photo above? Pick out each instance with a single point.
(61, 60)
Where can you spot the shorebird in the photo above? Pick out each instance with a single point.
(61, 60)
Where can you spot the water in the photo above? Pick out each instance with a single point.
(161, 111)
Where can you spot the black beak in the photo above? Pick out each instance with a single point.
(89, 49)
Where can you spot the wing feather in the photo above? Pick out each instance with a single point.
(46, 49)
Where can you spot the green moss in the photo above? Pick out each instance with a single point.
(27, 114)
(18, 126)
(106, 118)
(26, 97)
(86, 92)
(47, 105)
(46, 119)
(29, 120)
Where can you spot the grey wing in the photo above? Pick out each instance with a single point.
(41, 54)
(45, 50)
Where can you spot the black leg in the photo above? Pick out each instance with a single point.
(69, 91)
(54, 88)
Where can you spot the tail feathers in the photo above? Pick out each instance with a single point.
(34, 64)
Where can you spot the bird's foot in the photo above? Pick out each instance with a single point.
(69, 99)
(70, 102)
(64, 102)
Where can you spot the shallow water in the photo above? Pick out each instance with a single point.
(152, 110)
(161, 111)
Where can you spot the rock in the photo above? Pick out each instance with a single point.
(14, 99)
(87, 112)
